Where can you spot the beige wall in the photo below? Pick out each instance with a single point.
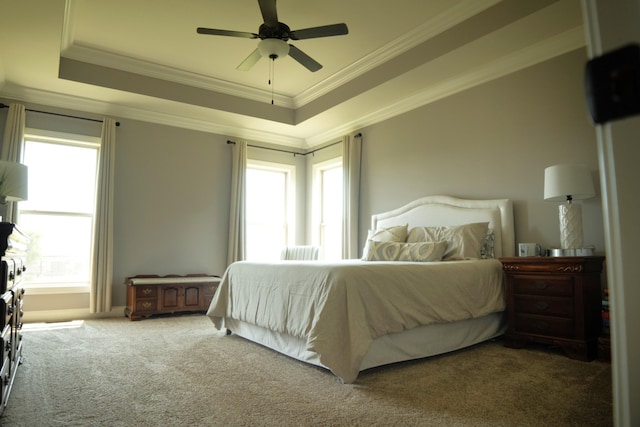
(492, 141)
(171, 202)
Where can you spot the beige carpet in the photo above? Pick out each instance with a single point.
(179, 371)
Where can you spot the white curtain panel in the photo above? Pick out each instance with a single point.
(102, 274)
(237, 214)
(12, 147)
(351, 154)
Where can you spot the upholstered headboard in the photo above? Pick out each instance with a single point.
(445, 210)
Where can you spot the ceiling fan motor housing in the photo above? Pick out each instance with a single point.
(282, 32)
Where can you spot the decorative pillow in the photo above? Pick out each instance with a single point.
(397, 251)
(464, 241)
(397, 233)
(487, 250)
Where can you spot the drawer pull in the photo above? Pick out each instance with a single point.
(146, 304)
(541, 305)
(147, 291)
(541, 326)
(541, 285)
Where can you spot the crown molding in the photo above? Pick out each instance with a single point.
(80, 52)
(56, 100)
(107, 59)
(451, 17)
(541, 51)
(554, 46)
(431, 28)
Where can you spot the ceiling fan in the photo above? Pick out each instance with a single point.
(274, 35)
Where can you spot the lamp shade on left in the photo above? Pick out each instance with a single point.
(14, 184)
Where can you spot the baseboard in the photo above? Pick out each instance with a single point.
(68, 315)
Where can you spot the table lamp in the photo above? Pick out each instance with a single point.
(569, 182)
(13, 184)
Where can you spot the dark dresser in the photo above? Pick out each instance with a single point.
(13, 247)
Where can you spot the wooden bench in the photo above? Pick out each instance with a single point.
(148, 295)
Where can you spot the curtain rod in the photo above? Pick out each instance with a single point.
(295, 153)
(59, 114)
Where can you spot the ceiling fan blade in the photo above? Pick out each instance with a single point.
(249, 61)
(324, 31)
(304, 59)
(215, 32)
(269, 12)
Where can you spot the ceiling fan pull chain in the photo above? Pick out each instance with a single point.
(272, 68)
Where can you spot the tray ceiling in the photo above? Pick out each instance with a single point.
(144, 60)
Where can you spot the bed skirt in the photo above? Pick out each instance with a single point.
(413, 344)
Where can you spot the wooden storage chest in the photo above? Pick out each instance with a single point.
(148, 295)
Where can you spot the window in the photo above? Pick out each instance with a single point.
(59, 214)
(270, 209)
(327, 208)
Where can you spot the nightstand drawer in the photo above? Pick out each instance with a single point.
(548, 326)
(548, 306)
(561, 286)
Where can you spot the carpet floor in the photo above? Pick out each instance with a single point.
(180, 371)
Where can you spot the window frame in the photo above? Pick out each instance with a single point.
(290, 195)
(71, 140)
(317, 203)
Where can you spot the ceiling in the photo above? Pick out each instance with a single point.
(142, 59)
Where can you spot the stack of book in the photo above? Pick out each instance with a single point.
(604, 341)
(605, 312)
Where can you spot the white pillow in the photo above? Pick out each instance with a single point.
(464, 241)
(397, 251)
(396, 233)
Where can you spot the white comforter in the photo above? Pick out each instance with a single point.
(339, 308)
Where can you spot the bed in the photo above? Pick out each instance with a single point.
(351, 315)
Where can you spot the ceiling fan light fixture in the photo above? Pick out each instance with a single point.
(273, 48)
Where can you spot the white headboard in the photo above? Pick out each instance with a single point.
(445, 210)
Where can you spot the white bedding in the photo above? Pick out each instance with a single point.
(339, 308)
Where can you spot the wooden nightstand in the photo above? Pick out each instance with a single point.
(554, 300)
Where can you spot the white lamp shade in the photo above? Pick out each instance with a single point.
(572, 180)
(277, 47)
(13, 181)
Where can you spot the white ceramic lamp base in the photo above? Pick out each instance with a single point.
(570, 226)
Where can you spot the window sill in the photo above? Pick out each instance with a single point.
(57, 289)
